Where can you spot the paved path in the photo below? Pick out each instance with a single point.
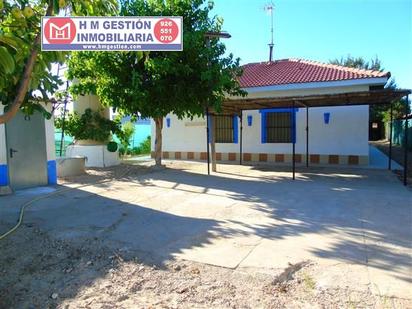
(354, 223)
(379, 160)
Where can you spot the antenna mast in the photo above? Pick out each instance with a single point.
(269, 8)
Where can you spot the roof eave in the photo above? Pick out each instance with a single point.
(323, 84)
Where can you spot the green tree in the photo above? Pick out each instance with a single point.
(23, 67)
(377, 112)
(159, 83)
(359, 63)
(91, 125)
(128, 131)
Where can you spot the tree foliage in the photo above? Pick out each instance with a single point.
(128, 129)
(91, 126)
(359, 63)
(25, 71)
(158, 83)
(155, 84)
(377, 112)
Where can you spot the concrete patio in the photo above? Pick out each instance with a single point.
(355, 224)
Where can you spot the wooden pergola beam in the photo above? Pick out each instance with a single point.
(371, 97)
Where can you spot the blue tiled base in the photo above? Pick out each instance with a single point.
(4, 175)
(51, 172)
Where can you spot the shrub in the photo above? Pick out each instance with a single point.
(128, 131)
(143, 148)
(112, 146)
(90, 125)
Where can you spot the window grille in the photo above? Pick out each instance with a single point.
(279, 126)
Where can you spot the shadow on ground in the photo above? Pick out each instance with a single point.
(368, 211)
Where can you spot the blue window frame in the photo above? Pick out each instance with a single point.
(280, 124)
(249, 120)
(235, 129)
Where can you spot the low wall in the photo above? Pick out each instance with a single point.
(96, 155)
(70, 166)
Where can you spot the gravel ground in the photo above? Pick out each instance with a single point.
(93, 175)
(40, 272)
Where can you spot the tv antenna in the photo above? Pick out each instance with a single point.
(269, 8)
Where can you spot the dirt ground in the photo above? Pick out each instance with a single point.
(39, 272)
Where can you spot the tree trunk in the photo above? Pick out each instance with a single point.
(158, 141)
(25, 80)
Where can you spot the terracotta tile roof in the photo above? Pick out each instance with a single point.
(292, 71)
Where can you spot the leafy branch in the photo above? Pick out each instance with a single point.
(91, 125)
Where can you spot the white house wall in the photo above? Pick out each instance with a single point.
(50, 148)
(183, 135)
(3, 152)
(344, 140)
(346, 134)
(49, 127)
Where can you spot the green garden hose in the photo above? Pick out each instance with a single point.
(27, 204)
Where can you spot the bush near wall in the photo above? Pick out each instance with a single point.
(90, 125)
(143, 148)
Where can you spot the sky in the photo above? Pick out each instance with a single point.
(322, 30)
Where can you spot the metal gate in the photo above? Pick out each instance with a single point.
(26, 151)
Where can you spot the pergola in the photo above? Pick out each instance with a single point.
(372, 97)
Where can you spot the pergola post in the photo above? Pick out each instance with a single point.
(211, 35)
(212, 142)
(241, 138)
(307, 136)
(207, 140)
(390, 138)
(405, 158)
(377, 97)
(293, 140)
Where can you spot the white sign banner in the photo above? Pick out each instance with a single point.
(112, 33)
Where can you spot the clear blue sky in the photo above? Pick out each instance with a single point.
(322, 30)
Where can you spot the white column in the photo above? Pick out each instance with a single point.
(96, 152)
(4, 171)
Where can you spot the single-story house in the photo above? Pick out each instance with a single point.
(337, 134)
